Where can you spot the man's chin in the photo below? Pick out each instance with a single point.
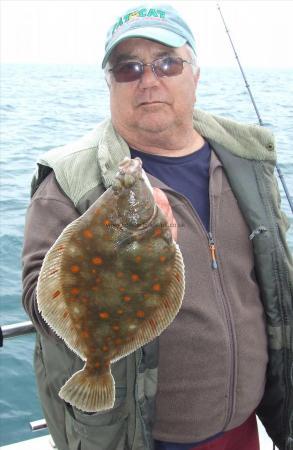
(153, 126)
(153, 120)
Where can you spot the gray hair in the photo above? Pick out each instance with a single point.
(193, 58)
(107, 72)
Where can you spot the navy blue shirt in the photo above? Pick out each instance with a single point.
(188, 175)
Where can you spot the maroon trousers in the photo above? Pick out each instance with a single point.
(244, 437)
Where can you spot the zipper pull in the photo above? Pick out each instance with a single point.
(213, 251)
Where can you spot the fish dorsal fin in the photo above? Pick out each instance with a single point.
(50, 293)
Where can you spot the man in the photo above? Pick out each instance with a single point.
(229, 350)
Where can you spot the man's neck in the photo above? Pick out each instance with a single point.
(165, 144)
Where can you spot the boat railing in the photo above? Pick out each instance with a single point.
(19, 329)
(15, 329)
(38, 425)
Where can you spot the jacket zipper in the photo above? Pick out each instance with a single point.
(228, 316)
(213, 251)
(221, 293)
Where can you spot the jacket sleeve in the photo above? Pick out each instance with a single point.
(49, 212)
(282, 221)
(276, 408)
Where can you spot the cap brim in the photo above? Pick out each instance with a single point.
(160, 35)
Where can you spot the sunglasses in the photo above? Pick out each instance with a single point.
(169, 66)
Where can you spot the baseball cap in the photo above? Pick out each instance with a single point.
(160, 23)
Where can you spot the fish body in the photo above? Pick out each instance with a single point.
(113, 281)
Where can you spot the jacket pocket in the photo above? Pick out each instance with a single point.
(105, 430)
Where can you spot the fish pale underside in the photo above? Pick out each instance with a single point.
(112, 282)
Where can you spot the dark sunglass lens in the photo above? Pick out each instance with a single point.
(168, 67)
(126, 72)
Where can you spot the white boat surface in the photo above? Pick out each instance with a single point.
(38, 443)
(46, 443)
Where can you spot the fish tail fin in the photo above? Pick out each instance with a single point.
(89, 391)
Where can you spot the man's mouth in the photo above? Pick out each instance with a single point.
(150, 103)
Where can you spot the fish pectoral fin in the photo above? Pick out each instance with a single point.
(89, 391)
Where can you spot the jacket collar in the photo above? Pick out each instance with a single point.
(246, 141)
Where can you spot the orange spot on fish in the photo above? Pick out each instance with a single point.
(104, 315)
(138, 259)
(118, 341)
(56, 294)
(115, 327)
(157, 232)
(98, 280)
(74, 291)
(156, 287)
(88, 234)
(126, 298)
(105, 348)
(140, 313)
(97, 365)
(162, 258)
(106, 222)
(134, 277)
(122, 289)
(97, 260)
(119, 311)
(85, 334)
(75, 268)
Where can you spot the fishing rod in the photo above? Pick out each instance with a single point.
(281, 176)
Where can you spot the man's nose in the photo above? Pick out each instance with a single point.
(148, 78)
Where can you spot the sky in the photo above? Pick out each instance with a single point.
(73, 31)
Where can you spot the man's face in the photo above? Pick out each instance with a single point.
(151, 104)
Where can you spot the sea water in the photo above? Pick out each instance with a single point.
(44, 106)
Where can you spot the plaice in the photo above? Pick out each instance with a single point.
(113, 281)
